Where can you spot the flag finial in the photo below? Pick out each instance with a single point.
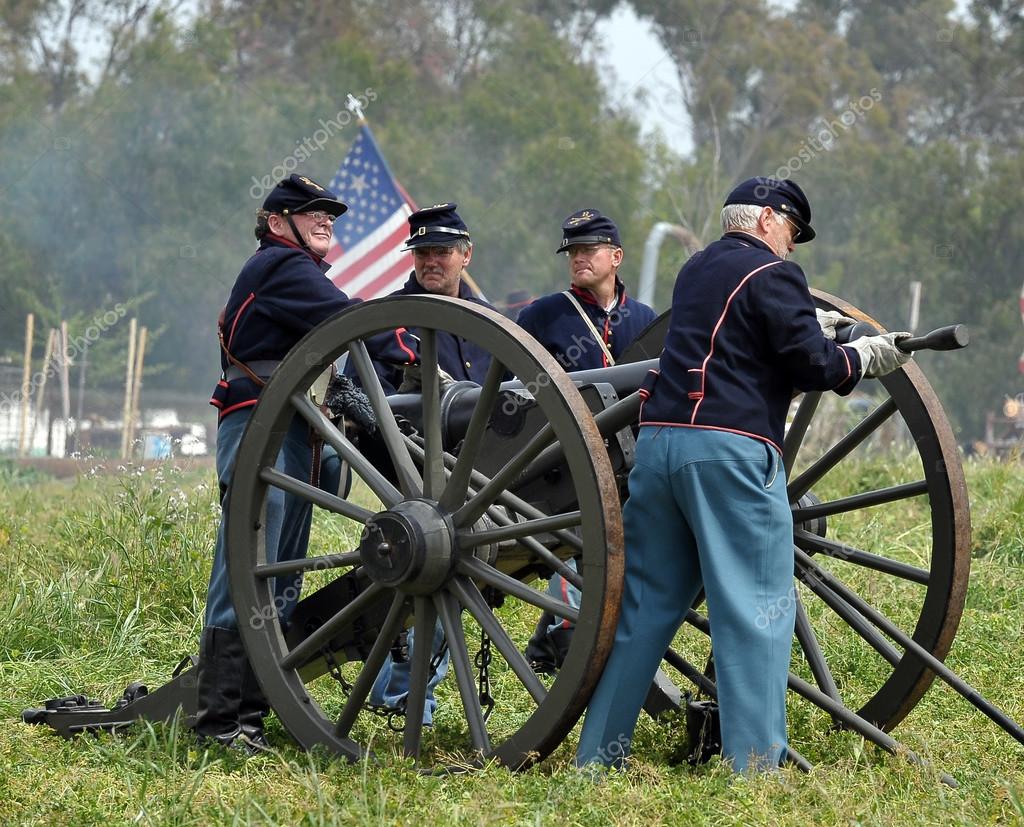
(355, 108)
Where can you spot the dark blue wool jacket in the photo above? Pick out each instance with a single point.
(556, 323)
(279, 296)
(742, 339)
(461, 359)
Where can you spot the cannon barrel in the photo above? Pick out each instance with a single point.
(461, 399)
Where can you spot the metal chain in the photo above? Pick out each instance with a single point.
(483, 663)
(334, 669)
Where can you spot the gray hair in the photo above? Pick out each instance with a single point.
(744, 216)
(463, 245)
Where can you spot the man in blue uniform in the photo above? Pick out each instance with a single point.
(587, 326)
(708, 505)
(280, 294)
(441, 251)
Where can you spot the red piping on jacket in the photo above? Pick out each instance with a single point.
(711, 428)
(398, 336)
(238, 315)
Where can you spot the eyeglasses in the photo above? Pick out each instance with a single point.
(319, 217)
(433, 252)
(792, 223)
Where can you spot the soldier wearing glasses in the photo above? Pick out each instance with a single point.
(708, 507)
(280, 294)
(587, 326)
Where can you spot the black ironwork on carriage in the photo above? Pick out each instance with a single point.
(472, 495)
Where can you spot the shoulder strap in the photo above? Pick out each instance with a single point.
(597, 336)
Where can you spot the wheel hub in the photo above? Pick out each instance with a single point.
(409, 547)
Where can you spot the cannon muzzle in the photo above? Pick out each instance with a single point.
(950, 337)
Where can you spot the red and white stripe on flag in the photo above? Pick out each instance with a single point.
(365, 254)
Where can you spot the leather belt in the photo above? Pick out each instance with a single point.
(262, 368)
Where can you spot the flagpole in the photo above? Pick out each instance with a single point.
(356, 108)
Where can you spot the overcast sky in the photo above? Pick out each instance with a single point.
(641, 76)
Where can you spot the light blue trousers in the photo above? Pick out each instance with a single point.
(391, 687)
(288, 517)
(706, 509)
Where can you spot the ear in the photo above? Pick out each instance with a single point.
(766, 219)
(617, 255)
(276, 224)
(468, 256)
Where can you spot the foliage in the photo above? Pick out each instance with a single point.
(135, 163)
(105, 578)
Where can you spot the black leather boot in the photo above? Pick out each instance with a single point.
(540, 651)
(561, 640)
(252, 709)
(222, 662)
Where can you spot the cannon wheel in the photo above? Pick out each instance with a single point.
(448, 545)
(935, 585)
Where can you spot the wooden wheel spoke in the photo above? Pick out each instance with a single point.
(798, 430)
(479, 570)
(815, 579)
(454, 495)
(867, 499)
(831, 458)
(421, 656)
(317, 496)
(451, 620)
(812, 652)
(506, 500)
(374, 661)
(433, 463)
(470, 597)
(470, 512)
(374, 479)
(321, 563)
(514, 531)
(612, 419)
(409, 479)
(809, 541)
(315, 641)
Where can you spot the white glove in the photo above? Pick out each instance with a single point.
(879, 354)
(829, 320)
(412, 380)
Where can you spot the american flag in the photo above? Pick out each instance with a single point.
(365, 253)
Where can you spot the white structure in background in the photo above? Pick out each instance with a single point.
(165, 435)
(652, 248)
(48, 433)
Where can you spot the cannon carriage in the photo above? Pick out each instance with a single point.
(469, 496)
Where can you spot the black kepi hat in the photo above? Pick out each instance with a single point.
(436, 226)
(782, 195)
(588, 227)
(298, 194)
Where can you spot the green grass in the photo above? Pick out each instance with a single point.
(105, 579)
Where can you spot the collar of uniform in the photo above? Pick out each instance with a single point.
(276, 240)
(586, 296)
(753, 240)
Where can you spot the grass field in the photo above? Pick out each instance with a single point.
(104, 580)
